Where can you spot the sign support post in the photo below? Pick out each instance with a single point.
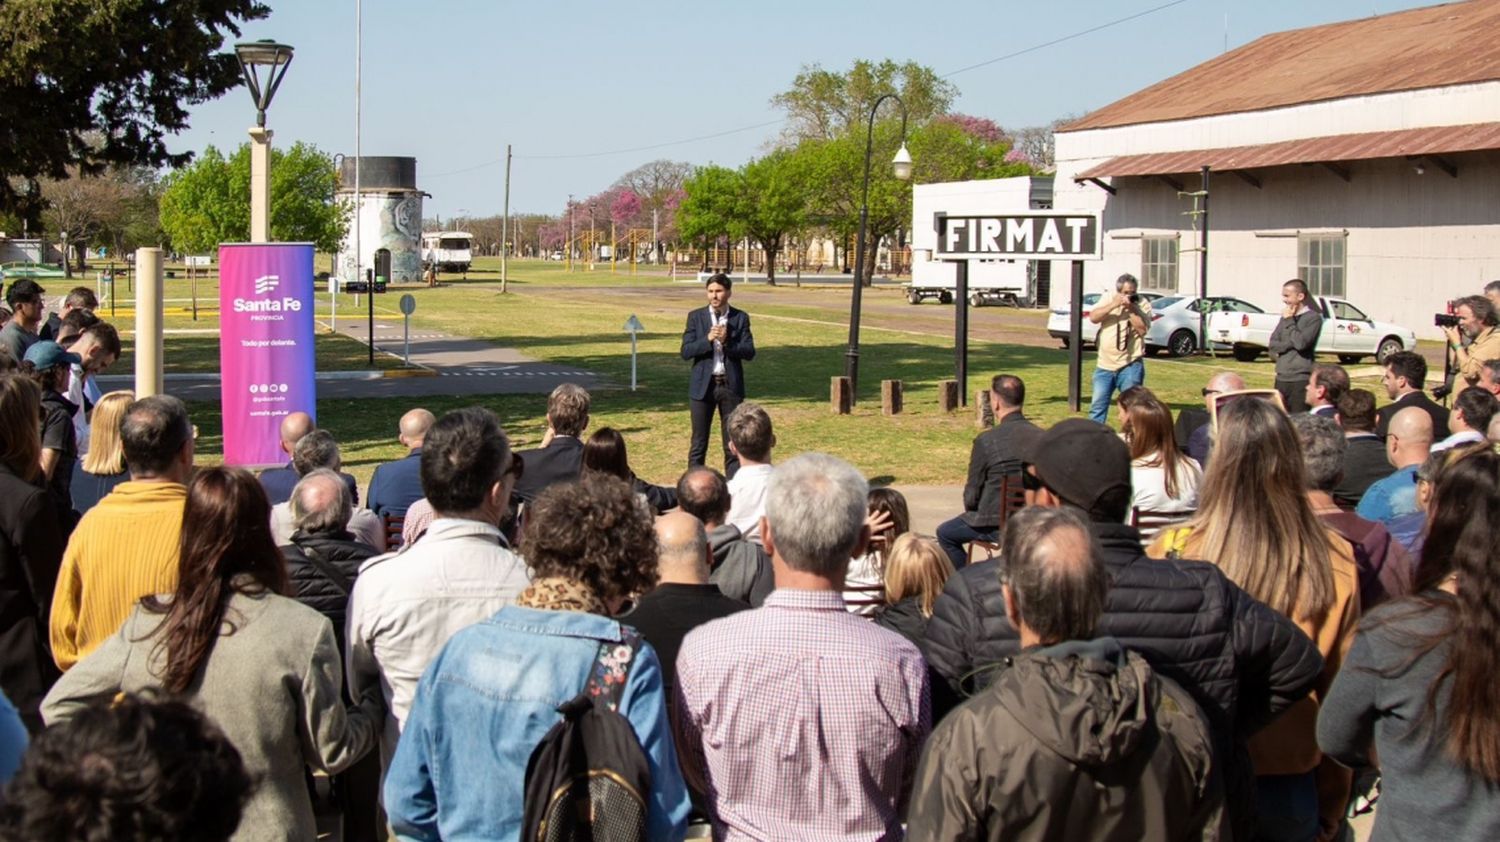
(1075, 339)
(633, 326)
(961, 330)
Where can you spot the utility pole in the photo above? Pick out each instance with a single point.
(654, 237)
(1199, 220)
(505, 226)
(593, 238)
(570, 232)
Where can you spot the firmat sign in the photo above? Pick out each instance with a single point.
(1029, 236)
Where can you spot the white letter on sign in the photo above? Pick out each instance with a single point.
(951, 234)
(1018, 235)
(1076, 225)
(1051, 241)
(989, 235)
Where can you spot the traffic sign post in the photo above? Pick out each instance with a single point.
(633, 326)
(408, 306)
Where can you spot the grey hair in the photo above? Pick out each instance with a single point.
(815, 505)
(1059, 597)
(333, 517)
(1323, 447)
(317, 449)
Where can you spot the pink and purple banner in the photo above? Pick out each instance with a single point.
(265, 346)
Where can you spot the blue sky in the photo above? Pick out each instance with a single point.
(451, 82)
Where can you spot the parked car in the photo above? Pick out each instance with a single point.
(1057, 321)
(1175, 321)
(1347, 332)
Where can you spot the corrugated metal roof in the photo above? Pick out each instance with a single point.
(1453, 44)
(1435, 140)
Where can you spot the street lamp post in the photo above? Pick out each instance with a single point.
(901, 168)
(275, 57)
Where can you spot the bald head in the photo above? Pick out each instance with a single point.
(1226, 381)
(682, 549)
(414, 426)
(704, 493)
(321, 504)
(1409, 437)
(293, 428)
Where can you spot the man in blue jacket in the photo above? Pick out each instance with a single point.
(396, 485)
(718, 342)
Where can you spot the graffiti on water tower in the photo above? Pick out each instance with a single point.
(389, 220)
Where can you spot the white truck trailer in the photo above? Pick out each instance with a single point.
(990, 281)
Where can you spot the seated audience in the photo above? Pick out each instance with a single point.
(1325, 386)
(322, 556)
(739, 568)
(864, 584)
(1385, 568)
(1255, 523)
(262, 666)
(278, 482)
(590, 546)
(125, 548)
(1404, 379)
(683, 598)
(916, 569)
(751, 439)
(314, 451)
(396, 485)
(1365, 462)
(1409, 529)
(1243, 663)
(560, 458)
(407, 604)
(103, 466)
(1417, 695)
(1200, 441)
(996, 454)
(856, 731)
(1470, 419)
(1162, 480)
(1013, 762)
(416, 521)
(31, 548)
(129, 768)
(1407, 443)
(605, 453)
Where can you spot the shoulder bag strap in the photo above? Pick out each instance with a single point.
(611, 668)
(327, 568)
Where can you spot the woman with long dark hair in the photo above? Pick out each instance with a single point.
(604, 453)
(31, 548)
(1418, 690)
(1256, 523)
(262, 665)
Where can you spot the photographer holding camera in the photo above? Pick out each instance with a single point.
(1473, 341)
(1123, 321)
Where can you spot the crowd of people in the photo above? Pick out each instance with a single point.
(1238, 622)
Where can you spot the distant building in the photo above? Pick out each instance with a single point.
(1363, 157)
(28, 250)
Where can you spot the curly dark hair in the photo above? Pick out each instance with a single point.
(594, 531)
(140, 769)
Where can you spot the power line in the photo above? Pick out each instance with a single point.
(1056, 41)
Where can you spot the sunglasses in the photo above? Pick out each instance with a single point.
(1029, 480)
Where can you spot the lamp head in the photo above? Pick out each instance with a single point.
(901, 164)
(254, 55)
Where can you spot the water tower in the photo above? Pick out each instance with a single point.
(389, 210)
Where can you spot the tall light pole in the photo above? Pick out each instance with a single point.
(901, 168)
(254, 55)
(570, 232)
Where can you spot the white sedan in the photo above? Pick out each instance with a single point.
(1175, 321)
(1057, 321)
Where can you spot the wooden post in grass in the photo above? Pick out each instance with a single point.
(947, 395)
(985, 417)
(891, 397)
(840, 395)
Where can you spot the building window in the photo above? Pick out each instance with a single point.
(1159, 263)
(1320, 262)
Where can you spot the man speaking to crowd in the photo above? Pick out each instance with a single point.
(717, 340)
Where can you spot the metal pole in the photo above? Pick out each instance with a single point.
(370, 303)
(1203, 271)
(851, 356)
(405, 339)
(505, 226)
(632, 361)
(570, 232)
(1075, 339)
(359, 199)
(961, 330)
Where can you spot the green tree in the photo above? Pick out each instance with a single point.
(770, 204)
(208, 202)
(824, 105)
(708, 211)
(122, 70)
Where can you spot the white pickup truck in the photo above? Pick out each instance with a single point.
(1347, 332)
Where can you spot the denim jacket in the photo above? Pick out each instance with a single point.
(486, 702)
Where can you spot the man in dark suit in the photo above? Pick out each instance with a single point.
(1405, 378)
(279, 482)
(1364, 462)
(396, 485)
(560, 458)
(718, 342)
(1326, 384)
(996, 453)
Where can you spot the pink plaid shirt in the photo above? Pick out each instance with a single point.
(806, 720)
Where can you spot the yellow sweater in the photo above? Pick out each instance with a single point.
(124, 548)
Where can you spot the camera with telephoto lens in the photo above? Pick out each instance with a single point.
(1445, 320)
(1135, 299)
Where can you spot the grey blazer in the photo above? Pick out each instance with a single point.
(273, 683)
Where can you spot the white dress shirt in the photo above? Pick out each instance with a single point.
(717, 320)
(747, 499)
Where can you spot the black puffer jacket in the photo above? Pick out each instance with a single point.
(315, 589)
(1243, 662)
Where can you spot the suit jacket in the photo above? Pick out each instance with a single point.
(396, 485)
(1437, 411)
(279, 483)
(1365, 464)
(559, 461)
(997, 452)
(739, 346)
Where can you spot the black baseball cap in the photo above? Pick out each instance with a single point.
(1084, 463)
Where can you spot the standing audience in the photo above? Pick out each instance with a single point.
(1405, 380)
(78, 299)
(1017, 762)
(995, 455)
(102, 467)
(739, 567)
(856, 730)
(504, 676)
(48, 364)
(21, 331)
(97, 347)
(261, 665)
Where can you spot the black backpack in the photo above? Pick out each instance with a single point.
(588, 780)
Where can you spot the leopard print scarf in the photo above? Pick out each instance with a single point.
(555, 593)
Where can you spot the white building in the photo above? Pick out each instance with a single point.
(1363, 157)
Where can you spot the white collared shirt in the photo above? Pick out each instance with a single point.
(717, 320)
(747, 499)
(1457, 440)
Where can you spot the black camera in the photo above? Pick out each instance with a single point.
(1441, 392)
(1135, 299)
(1445, 320)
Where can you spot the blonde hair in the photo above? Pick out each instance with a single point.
(916, 566)
(106, 456)
(1254, 520)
